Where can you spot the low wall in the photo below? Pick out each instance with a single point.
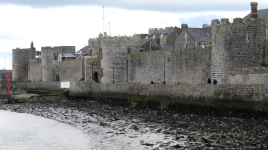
(249, 95)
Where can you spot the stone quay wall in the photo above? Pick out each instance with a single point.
(254, 96)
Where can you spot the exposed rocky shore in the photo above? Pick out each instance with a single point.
(121, 127)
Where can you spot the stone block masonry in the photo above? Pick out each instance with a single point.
(20, 58)
(114, 58)
(236, 45)
(187, 66)
(51, 58)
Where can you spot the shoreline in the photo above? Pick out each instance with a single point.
(122, 127)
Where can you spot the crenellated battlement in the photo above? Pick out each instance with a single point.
(250, 21)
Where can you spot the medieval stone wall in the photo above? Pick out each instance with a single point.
(20, 58)
(236, 46)
(71, 70)
(114, 57)
(92, 65)
(94, 47)
(35, 72)
(50, 65)
(188, 66)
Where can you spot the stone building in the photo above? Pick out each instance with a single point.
(160, 38)
(192, 37)
(262, 13)
(20, 58)
(112, 52)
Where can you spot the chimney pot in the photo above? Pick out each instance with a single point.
(254, 13)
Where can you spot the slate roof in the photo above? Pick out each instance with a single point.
(157, 34)
(262, 13)
(167, 46)
(200, 34)
(68, 55)
(84, 50)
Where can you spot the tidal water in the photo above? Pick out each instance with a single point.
(19, 131)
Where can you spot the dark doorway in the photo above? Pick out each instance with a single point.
(57, 77)
(95, 77)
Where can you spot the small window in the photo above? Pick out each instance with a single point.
(247, 38)
(200, 44)
(207, 34)
(185, 45)
(55, 57)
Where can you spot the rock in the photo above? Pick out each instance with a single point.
(148, 144)
(135, 127)
(204, 140)
(265, 140)
(265, 122)
(177, 146)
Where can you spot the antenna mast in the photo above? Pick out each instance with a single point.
(109, 27)
(103, 21)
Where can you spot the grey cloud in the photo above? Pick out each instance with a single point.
(10, 37)
(197, 21)
(4, 54)
(171, 6)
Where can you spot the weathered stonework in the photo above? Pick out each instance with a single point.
(236, 46)
(20, 63)
(51, 58)
(187, 66)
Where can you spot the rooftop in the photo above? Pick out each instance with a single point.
(262, 13)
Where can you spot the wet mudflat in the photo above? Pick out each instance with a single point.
(20, 131)
(122, 127)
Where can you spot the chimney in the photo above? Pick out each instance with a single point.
(184, 26)
(254, 13)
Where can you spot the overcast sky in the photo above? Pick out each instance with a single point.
(72, 22)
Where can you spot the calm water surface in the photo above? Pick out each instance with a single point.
(19, 131)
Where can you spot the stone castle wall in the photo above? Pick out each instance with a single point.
(71, 70)
(20, 58)
(94, 47)
(51, 67)
(35, 72)
(187, 66)
(235, 46)
(114, 57)
(92, 65)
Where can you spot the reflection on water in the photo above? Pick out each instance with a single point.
(20, 131)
